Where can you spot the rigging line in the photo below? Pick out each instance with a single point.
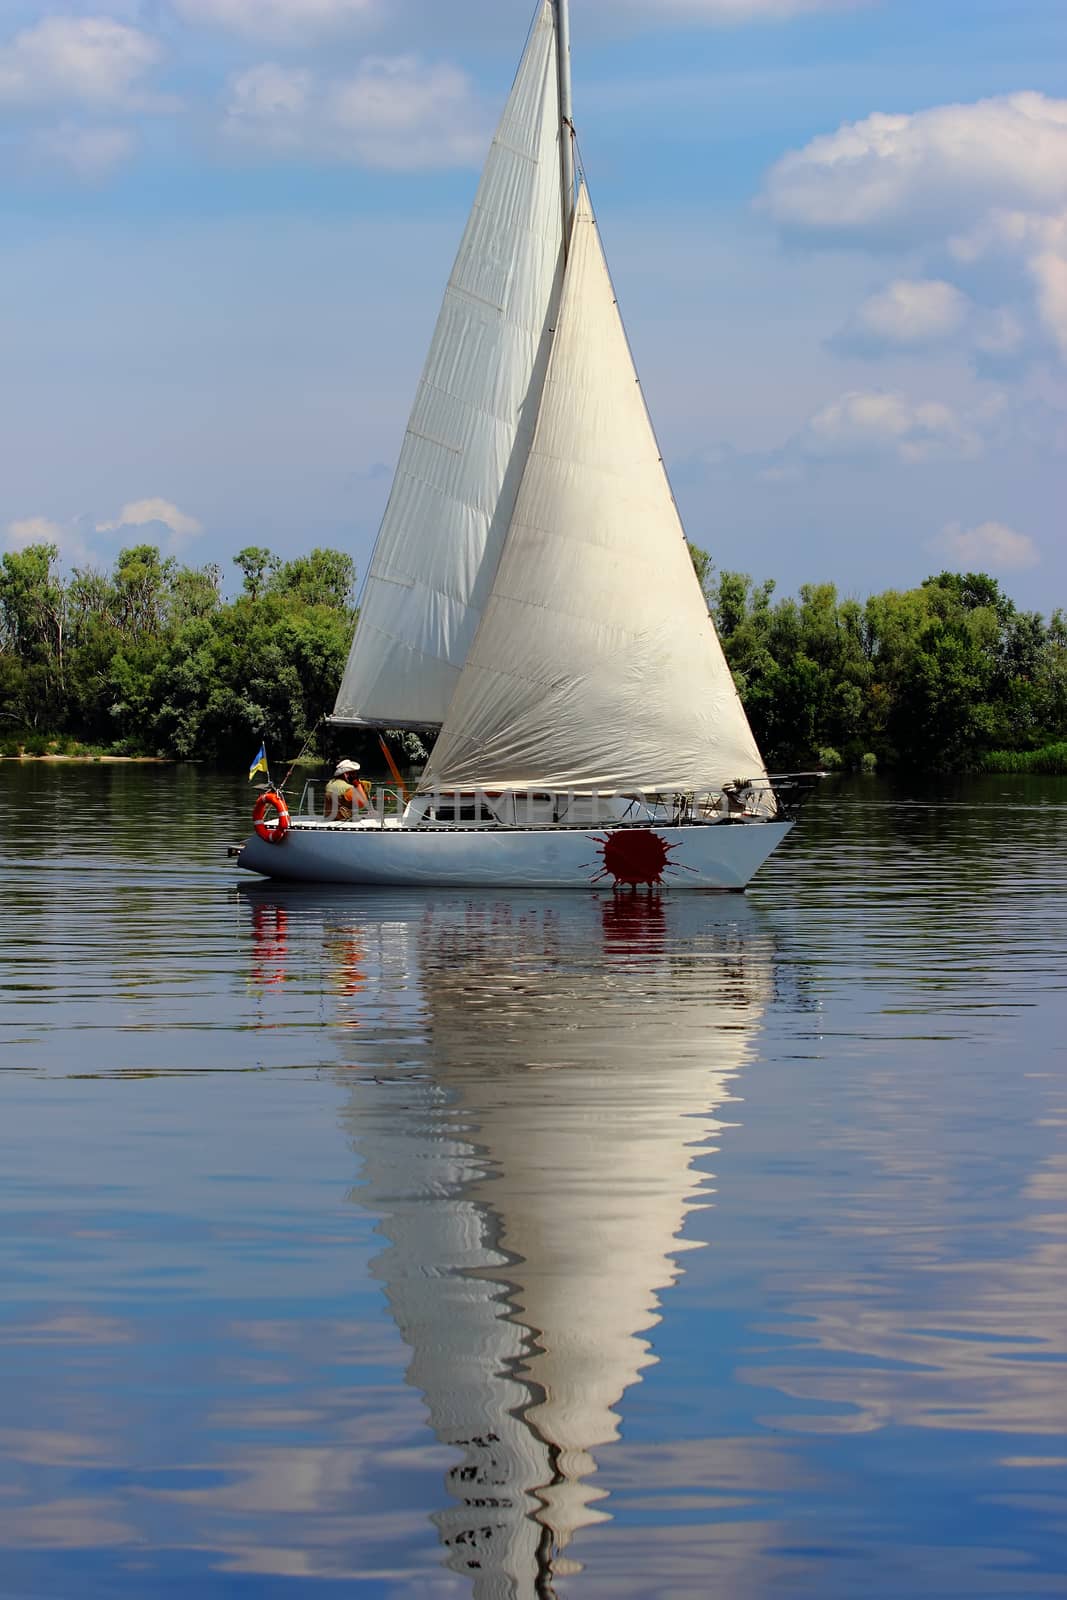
(626, 336)
(579, 159)
(297, 759)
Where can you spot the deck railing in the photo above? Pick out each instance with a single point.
(538, 808)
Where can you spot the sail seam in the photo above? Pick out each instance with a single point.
(482, 300)
(442, 494)
(475, 411)
(603, 629)
(454, 449)
(523, 155)
(401, 583)
(520, 227)
(405, 644)
(460, 400)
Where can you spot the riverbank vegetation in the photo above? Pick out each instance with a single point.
(152, 659)
(1049, 761)
(949, 676)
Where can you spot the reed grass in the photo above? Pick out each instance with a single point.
(1049, 761)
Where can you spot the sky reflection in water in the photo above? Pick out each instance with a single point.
(355, 1237)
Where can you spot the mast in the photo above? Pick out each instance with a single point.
(566, 115)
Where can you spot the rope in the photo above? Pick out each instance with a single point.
(297, 759)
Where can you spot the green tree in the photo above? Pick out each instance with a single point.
(323, 578)
(195, 592)
(33, 613)
(256, 669)
(142, 584)
(257, 563)
(148, 657)
(704, 568)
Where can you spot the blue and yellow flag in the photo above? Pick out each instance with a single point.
(259, 764)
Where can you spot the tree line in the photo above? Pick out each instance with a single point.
(151, 658)
(950, 676)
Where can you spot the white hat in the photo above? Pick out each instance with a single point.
(346, 766)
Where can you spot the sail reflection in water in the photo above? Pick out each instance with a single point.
(534, 1183)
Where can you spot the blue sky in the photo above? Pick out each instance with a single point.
(838, 231)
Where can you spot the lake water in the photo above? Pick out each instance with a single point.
(515, 1246)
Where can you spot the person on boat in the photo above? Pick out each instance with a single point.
(345, 793)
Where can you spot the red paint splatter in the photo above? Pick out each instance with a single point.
(634, 855)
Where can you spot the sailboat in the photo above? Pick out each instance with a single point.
(531, 601)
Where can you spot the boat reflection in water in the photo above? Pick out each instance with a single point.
(562, 1060)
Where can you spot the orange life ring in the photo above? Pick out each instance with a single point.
(271, 800)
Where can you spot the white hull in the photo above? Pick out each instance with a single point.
(716, 856)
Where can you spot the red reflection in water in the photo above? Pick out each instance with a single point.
(270, 944)
(633, 922)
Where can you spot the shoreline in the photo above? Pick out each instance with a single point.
(157, 761)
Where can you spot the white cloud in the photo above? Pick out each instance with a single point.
(90, 153)
(990, 544)
(41, 530)
(145, 513)
(394, 112)
(1049, 271)
(27, 11)
(398, 97)
(1005, 236)
(287, 20)
(270, 105)
(1033, 247)
(982, 186)
(889, 178)
(727, 12)
(1001, 336)
(295, 21)
(89, 61)
(907, 314)
(33, 530)
(787, 472)
(873, 422)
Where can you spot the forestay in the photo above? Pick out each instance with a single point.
(470, 431)
(596, 665)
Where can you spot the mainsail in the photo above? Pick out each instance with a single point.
(596, 665)
(472, 423)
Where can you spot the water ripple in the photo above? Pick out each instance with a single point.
(355, 1238)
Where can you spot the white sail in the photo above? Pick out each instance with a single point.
(472, 423)
(596, 665)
